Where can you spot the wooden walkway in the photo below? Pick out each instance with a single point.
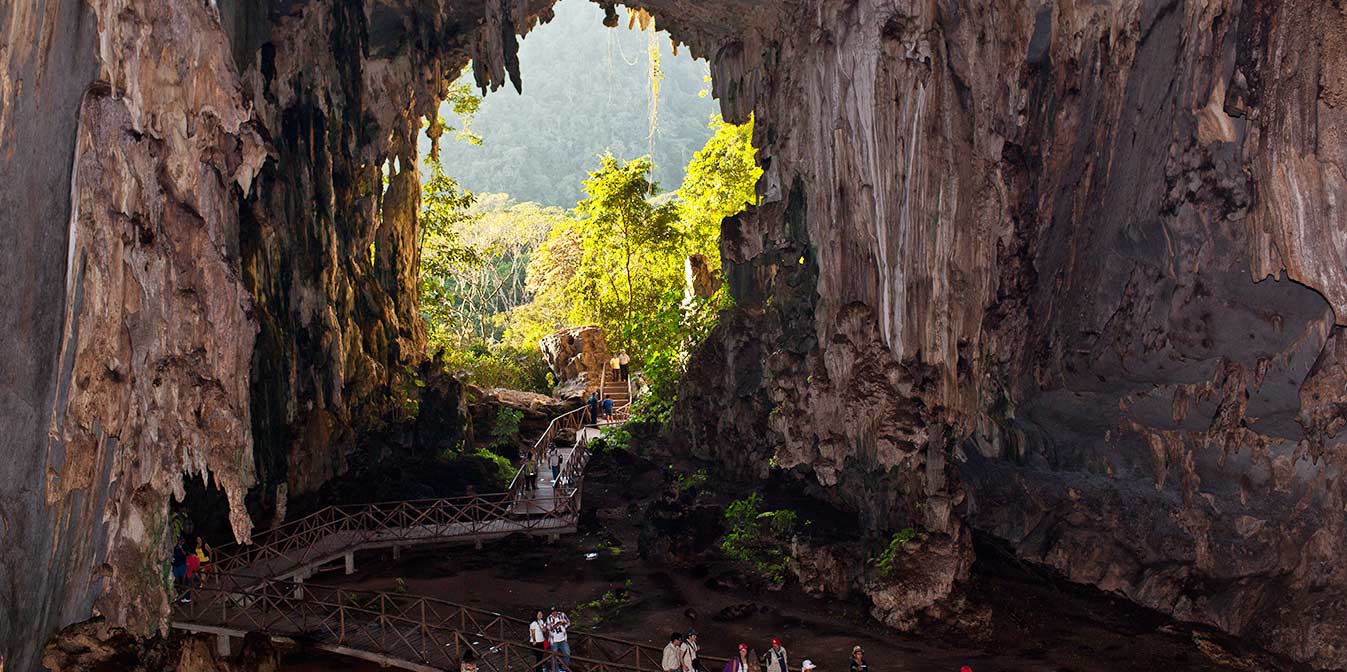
(261, 587)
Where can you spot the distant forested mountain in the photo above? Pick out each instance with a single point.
(586, 91)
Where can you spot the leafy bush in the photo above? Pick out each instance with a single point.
(499, 365)
(885, 561)
(505, 470)
(506, 427)
(757, 538)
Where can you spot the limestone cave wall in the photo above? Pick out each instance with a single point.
(1063, 274)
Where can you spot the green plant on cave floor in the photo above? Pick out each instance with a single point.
(684, 483)
(606, 607)
(757, 539)
(886, 562)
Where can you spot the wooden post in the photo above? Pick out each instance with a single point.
(299, 586)
(350, 562)
(397, 551)
(222, 645)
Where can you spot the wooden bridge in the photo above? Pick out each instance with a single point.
(261, 587)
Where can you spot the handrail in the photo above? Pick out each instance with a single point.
(247, 604)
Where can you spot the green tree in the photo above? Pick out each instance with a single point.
(444, 255)
(720, 182)
(621, 223)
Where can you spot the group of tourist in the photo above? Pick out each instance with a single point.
(600, 408)
(547, 634)
(620, 365)
(532, 463)
(188, 565)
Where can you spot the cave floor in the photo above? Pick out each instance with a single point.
(1034, 622)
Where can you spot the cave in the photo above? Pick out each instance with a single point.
(1062, 277)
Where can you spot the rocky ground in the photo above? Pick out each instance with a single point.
(1017, 616)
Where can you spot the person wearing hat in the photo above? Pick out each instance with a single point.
(557, 622)
(807, 665)
(742, 662)
(689, 652)
(776, 658)
(672, 660)
(858, 663)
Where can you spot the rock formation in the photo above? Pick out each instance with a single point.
(699, 280)
(578, 358)
(1063, 273)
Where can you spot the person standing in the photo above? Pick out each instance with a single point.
(538, 639)
(624, 365)
(742, 662)
(593, 403)
(807, 665)
(203, 551)
(614, 369)
(777, 661)
(557, 623)
(672, 660)
(608, 408)
(469, 662)
(180, 570)
(530, 473)
(555, 462)
(690, 648)
(858, 660)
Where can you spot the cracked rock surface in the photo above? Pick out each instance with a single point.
(1067, 274)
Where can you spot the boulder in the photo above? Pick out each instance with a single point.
(577, 358)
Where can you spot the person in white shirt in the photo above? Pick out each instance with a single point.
(690, 648)
(556, 628)
(538, 639)
(672, 660)
(776, 657)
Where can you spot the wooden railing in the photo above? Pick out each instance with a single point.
(403, 627)
(574, 419)
(336, 529)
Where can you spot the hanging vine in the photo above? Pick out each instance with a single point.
(646, 23)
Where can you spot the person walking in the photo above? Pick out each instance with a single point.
(742, 662)
(557, 623)
(690, 649)
(468, 662)
(672, 660)
(555, 462)
(593, 404)
(858, 660)
(530, 473)
(180, 570)
(538, 639)
(807, 665)
(608, 408)
(624, 365)
(776, 658)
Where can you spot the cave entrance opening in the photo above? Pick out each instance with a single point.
(588, 202)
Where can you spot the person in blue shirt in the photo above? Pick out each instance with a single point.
(608, 408)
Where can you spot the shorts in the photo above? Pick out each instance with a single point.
(179, 572)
